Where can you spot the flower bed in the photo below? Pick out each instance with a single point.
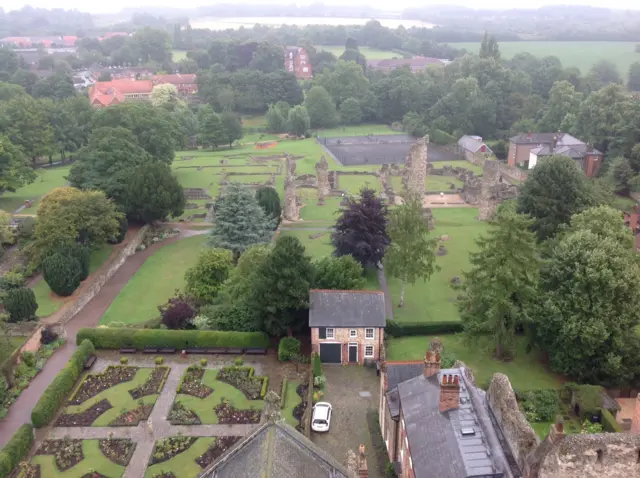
(118, 450)
(227, 415)
(299, 409)
(192, 383)
(131, 418)
(165, 475)
(167, 448)
(181, 415)
(86, 418)
(153, 385)
(67, 452)
(216, 450)
(242, 378)
(93, 384)
(30, 471)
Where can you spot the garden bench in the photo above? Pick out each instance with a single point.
(196, 350)
(255, 351)
(216, 350)
(167, 350)
(128, 351)
(89, 362)
(233, 350)
(150, 350)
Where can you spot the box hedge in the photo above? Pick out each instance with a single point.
(609, 423)
(16, 449)
(108, 338)
(283, 393)
(56, 392)
(402, 329)
(317, 366)
(287, 348)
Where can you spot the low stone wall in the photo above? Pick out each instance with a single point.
(513, 173)
(101, 279)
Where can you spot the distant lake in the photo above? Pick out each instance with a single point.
(213, 23)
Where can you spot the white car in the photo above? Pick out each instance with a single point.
(321, 419)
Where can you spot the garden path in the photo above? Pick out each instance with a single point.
(20, 411)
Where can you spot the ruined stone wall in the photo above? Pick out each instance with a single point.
(415, 169)
(322, 176)
(493, 190)
(291, 210)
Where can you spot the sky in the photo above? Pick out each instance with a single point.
(114, 6)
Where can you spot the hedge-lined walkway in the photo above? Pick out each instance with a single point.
(20, 411)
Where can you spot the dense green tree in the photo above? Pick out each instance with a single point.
(603, 73)
(502, 282)
(164, 95)
(62, 273)
(240, 222)
(563, 100)
(298, 122)
(8, 60)
(489, 47)
(55, 87)
(26, 124)
(350, 111)
(555, 190)
(25, 78)
(9, 91)
(587, 306)
(321, 108)
(210, 129)
(232, 127)
(354, 55)
(20, 304)
(281, 293)
(633, 81)
(269, 201)
(276, 122)
(361, 229)
(205, 278)
(620, 175)
(267, 57)
(152, 44)
(603, 221)
(346, 80)
(152, 193)
(411, 254)
(15, 170)
(338, 273)
(7, 233)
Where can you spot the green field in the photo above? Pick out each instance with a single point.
(369, 53)
(46, 180)
(179, 55)
(155, 282)
(358, 130)
(316, 248)
(571, 53)
(525, 371)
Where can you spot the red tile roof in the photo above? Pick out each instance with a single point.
(105, 93)
(176, 79)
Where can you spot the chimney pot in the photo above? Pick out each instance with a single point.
(456, 380)
(428, 355)
(438, 355)
(362, 449)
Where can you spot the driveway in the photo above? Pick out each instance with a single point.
(349, 426)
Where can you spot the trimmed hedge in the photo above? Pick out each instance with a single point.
(402, 329)
(16, 449)
(609, 422)
(56, 392)
(287, 348)
(317, 366)
(108, 338)
(283, 393)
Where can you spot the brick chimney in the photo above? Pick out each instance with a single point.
(449, 392)
(556, 432)
(431, 363)
(363, 470)
(635, 423)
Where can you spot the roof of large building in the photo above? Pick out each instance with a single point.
(346, 308)
(177, 79)
(276, 450)
(555, 143)
(112, 92)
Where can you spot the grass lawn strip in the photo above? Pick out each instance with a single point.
(526, 371)
(316, 248)
(292, 400)
(46, 180)
(204, 408)
(94, 460)
(119, 398)
(183, 465)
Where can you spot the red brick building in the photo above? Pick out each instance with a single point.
(109, 93)
(296, 61)
(185, 83)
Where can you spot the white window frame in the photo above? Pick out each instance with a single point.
(366, 355)
(353, 333)
(331, 333)
(373, 333)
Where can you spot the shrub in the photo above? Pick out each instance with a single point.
(589, 400)
(287, 347)
(62, 273)
(269, 201)
(265, 383)
(540, 405)
(48, 335)
(283, 392)
(159, 360)
(395, 329)
(203, 362)
(28, 358)
(11, 280)
(124, 360)
(177, 313)
(20, 304)
(317, 396)
(238, 361)
(3, 388)
(123, 225)
(609, 422)
(319, 381)
(56, 392)
(317, 366)
(16, 449)
(108, 338)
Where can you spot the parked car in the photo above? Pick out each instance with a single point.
(321, 419)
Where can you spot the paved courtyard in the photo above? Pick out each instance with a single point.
(352, 391)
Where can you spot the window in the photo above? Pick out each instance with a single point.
(368, 334)
(330, 333)
(353, 333)
(368, 351)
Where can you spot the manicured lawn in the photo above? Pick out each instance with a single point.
(48, 302)
(249, 178)
(204, 408)
(119, 398)
(258, 121)
(155, 282)
(316, 248)
(184, 464)
(435, 300)
(46, 180)
(250, 138)
(369, 53)
(525, 371)
(94, 460)
(358, 130)
(441, 183)
(311, 211)
(179, 55)
(581, 54)
(352, 184)
(292, 400)
(458, 164)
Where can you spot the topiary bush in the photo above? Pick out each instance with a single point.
(20, 304)
(16, 449)
(317, 366)
(62, 273)
(82, 254)
(159, 360)
(11, 280)
(287, 348)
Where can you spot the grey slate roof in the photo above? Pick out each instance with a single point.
(398, 373)
(346, 308)
(275, 450)
(472, 143)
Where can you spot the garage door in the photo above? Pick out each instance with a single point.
(330, 353)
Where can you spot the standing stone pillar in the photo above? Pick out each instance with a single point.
(322, 174)
(490, 180)
(291, 210)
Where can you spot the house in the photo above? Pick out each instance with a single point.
(276, 450)
(108, 93)
(526, 149)
(347, 326)
(473, 145)
(185, 83)
(436, 423)
(296, 61)
(417, 63)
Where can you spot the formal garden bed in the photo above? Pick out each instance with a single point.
(132, 418)
(220, 446)
(192, 383)
(181, 415)
(67, 453)
(293, 402)
(85, 418)
(242, 378)
(167, 448)
(183, 464)
(118, 450)
(153, 385)
(228, 415)
(95, 383)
